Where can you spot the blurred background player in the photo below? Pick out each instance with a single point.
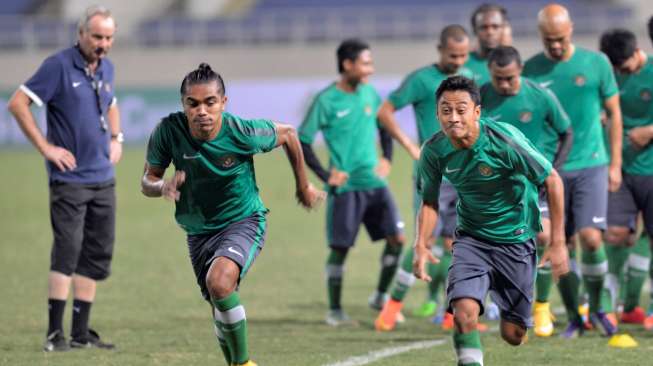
(497, 173)
(83, 143)
(418, 89)
(584, 83)
(346, 114)
(536, 112)
(225, 227)
(634, 74)
(490, 26)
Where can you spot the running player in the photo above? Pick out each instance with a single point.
(583, 82)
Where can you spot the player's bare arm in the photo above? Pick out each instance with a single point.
(641, 136)
(556, 252)
(615, 134)
(19, 108)
(389, 122)
(153, 184)
(115, 148)
(426, 220)
(307, 195)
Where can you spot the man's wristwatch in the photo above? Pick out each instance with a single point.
(118, 137)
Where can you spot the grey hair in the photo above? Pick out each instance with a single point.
(89, 13)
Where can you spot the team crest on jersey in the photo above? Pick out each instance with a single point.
(525, 116)
(227, 161)
(580, 80)
(368, 110)
(645, 94)
(485, 170)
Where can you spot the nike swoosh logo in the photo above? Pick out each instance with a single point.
(231, 249)
(341, 114)
(76, 309)
(596, 219)
(191, 157)
(496, 118)
(76, 83)
(546, 84)
(447, 170)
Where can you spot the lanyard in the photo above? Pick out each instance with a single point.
(97, 86)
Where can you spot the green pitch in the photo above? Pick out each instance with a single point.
(152, 309)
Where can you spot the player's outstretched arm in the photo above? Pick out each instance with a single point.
(153, 184)
(556, 252)
(615, 132)
(426, 220)
(307, 195)
(386, 116)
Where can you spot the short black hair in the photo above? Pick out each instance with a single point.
(619, 45)
(486, 8)
(202, 75)
(453, 31)
(650, 28)
(350, 49)
(456, 83)
(504, 56)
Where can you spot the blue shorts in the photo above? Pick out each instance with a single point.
(375, 208)
(507, 271)
(586, 199)
(635, 195)
(241, 242)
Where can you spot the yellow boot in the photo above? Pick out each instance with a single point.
(543, 323)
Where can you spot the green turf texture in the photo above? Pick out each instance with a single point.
(152, 309)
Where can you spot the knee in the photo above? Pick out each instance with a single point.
(591, 239)
(514, 335)
(617, 236)
(222, 278)
(465, 315)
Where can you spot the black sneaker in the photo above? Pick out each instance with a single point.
(90, 340)
(56, 342)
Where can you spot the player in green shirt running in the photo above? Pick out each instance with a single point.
(497, 173)
(345, 113)
(584, 83)
(215, 194)
(417, 90)
(489, 23)
(536, 112)
(634, 73)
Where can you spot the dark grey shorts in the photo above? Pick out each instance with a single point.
(507, 271)
(375, 208)
(634, 195)
(447, 215)
(241, 242)
(586, 198)
(83, 219)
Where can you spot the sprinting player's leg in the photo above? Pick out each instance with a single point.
(220, 261)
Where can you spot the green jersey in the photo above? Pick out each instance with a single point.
(636, 98)
(581, 84)
(349, 126)
(535, 111)
(220, 186)
(418, 89)
(496, 180)
(478, 67)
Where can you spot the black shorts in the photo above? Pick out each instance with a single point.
(241, 242)
(507, 271)
(634, 195)
(586, 199)
(374, 208)
(83, 218)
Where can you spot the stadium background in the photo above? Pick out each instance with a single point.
(274, 55)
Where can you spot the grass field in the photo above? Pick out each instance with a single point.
(152, 309)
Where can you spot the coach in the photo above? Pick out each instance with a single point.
(83, 143)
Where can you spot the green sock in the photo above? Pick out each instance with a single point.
(568, 285)
(334, 271)
(594, 266)
(389, 264)
(637, 268)
(232, 323)
(439, 275)
(468, 348)
(617, 256)
(404, 279)
(544, 279)
(221, 341)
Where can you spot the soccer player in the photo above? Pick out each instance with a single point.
(82, 145)
(491, 28)
(417, 90)
(215, 194)
(496, 172)
(345, 113)
(584, 83)
(634, 74)
(536, 112)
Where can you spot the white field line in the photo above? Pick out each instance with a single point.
(373, 356)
